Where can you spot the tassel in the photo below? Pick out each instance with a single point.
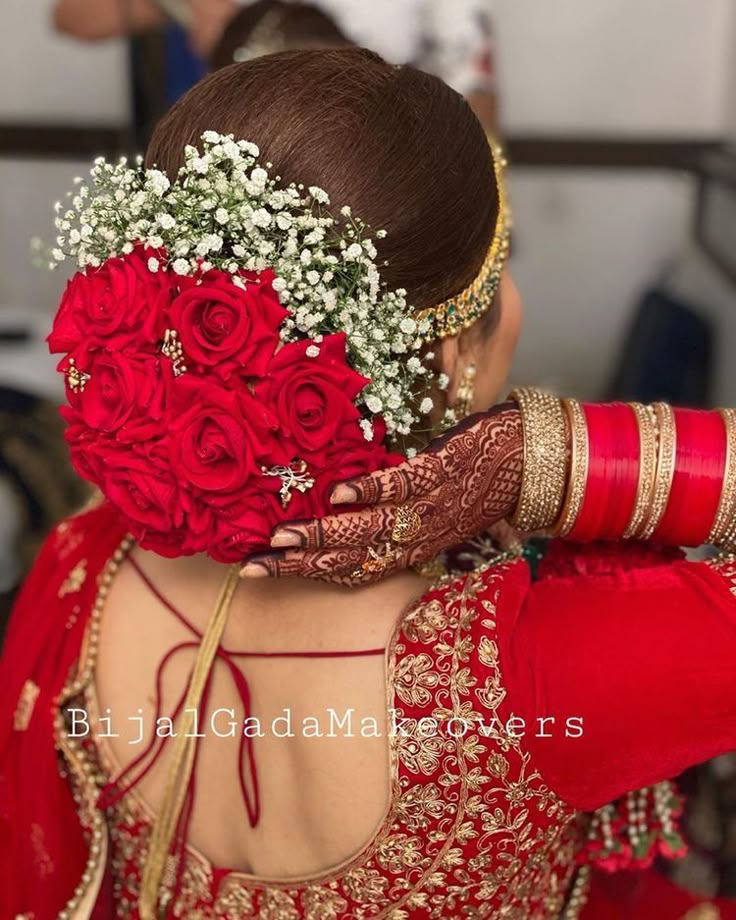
(159, 870)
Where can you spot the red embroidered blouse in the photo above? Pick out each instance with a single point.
(630, 651)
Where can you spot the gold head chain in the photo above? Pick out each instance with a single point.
(462, 310)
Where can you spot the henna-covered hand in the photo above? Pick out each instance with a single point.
(462, 484)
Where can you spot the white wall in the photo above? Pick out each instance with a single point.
(615, 66)
(49, 78)
(585, 246)
(590, 242)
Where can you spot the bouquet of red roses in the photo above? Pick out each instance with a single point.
(192, 414)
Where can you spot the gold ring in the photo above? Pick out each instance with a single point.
(375, 563)
(406, 526)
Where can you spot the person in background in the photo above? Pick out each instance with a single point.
(268, 26)
(452, 39)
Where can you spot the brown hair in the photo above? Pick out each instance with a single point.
(399, 146)
(275, 25)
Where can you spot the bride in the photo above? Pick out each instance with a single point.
(304, 281)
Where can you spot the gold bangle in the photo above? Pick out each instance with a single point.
(725, 521)
(646, 421)
(666, 453)
(579, 460)
(545, 460)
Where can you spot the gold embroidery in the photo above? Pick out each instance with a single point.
(74, 580)
(470, 822)
(725, 565)
(84, 776)
(25, 706)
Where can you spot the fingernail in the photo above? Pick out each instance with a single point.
(253, 570)
(285, 538)
(343, 495)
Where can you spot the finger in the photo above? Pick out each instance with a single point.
(355, 528)
(412, 479)
(299, 562)
(333, 566)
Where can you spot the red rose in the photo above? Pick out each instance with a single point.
(222, 326)
(312, 396)
(112, 305)
(139, 481)
(218, 435)
(246, 526)
(122, 391)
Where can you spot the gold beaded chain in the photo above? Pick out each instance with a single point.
(72, 749)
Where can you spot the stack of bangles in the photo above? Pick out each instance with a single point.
(627, 471)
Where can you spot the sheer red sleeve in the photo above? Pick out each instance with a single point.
(630, 656)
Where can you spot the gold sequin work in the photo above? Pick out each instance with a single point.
(472, 831)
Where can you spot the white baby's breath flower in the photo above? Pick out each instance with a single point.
(201, 165)
(367, 427)
(374, 404)
(443, 381)
(312, 351)
(354, 251)
(425, 407)
(181, 266)
(158, 182)
(153, 265)
(222, 216)
(319, 195)
(261, 218)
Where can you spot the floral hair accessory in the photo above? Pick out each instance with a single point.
(229, 352)
(224, 211)
(229, 349)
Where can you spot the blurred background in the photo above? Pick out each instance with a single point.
(619, 118)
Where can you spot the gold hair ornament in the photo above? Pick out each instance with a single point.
(460, 312)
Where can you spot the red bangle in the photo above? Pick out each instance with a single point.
(613, 472)
(700, 464)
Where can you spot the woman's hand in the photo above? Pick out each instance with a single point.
(462, 484)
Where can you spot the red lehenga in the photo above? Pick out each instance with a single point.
(638, 644)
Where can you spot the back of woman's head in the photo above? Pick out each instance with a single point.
(398, 146)
(268, 26)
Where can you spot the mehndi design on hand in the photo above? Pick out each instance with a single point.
(463, 483)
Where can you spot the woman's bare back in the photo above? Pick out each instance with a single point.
(321, 747)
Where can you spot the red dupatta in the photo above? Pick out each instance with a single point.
(43, 851)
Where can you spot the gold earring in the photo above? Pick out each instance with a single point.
(465, 393)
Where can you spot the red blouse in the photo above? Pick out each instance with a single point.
(616, 666)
